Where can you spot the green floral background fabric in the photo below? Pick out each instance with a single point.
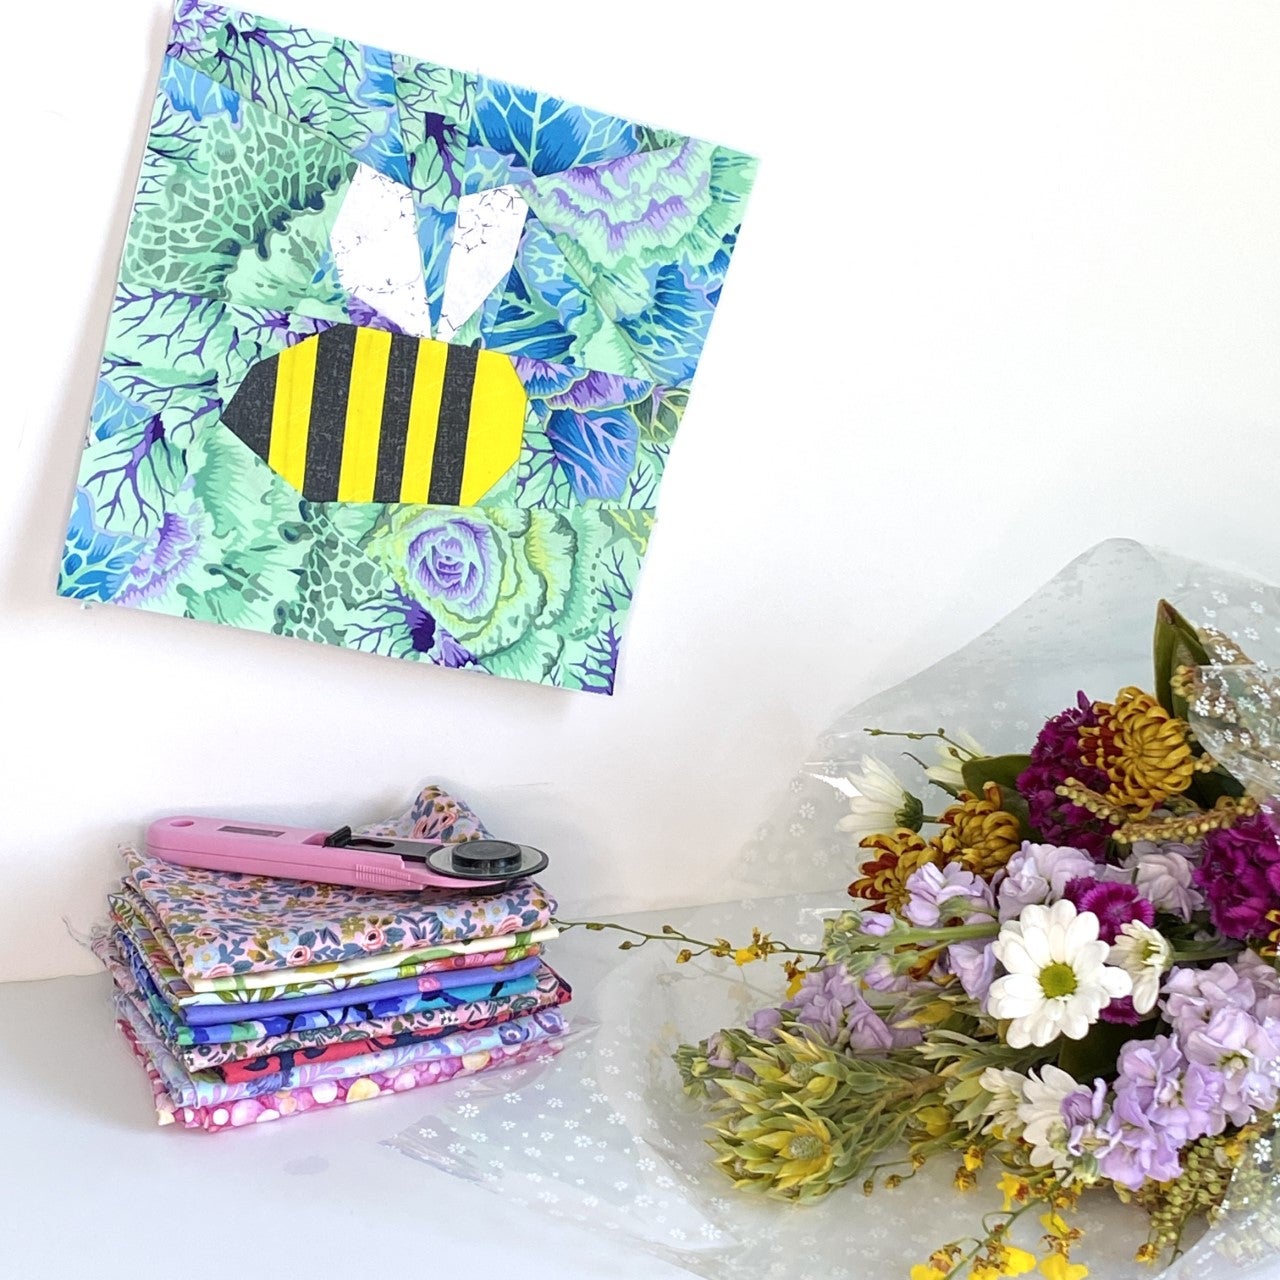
(266, 141)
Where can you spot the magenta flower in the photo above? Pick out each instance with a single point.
(1115, 904)
(1055, 758)
(1240, 875)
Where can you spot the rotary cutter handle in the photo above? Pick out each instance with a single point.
(340, 857)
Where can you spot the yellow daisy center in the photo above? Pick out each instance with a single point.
(1058, 979)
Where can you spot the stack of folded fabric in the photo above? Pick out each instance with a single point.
(250, 998)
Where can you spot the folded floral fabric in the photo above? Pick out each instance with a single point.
(221, 922)
(330, 1042)
(327, 1093)
(204, 1089)
(135, 918)
(177, 1030)
(375, 996)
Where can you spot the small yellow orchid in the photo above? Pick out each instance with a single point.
(1057, 1267)
(927, 1271)
(1014, 1189)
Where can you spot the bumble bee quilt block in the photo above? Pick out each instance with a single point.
(396, 355)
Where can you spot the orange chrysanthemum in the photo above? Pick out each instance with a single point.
(883, 882)
(1144, 751)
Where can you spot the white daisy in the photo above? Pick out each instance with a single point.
(877, 801)
(946, 773)
(1057, 980)
(1005, 1088)
(1144, 954)
(1060, 1134)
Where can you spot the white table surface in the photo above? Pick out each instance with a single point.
(90, 1186)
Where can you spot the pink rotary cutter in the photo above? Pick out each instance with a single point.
(339, 857)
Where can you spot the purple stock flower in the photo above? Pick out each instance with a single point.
(974, 963)
(1039, 874)
(824, 996)
(1164, 875)
(1246, 1054)
(1135, 1149)
(939, 894)
(720, 1055)
(1114, 904)
(830, 1005)
(1081, 1112)
(1055, 758)
(1177, 1097)
(764, 1023)
(1193, 996)
(1240, 875)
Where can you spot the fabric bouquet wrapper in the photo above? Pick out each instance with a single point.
(251, 998)
(654, 1185)
(397, 354)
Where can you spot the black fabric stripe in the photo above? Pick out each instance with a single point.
(328, 422)
(451, 426)
(248, 416)
(395, 417)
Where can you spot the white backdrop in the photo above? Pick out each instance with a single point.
(1008, 284)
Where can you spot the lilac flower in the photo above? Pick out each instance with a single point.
(1193, 996)
(1135, 1149)
(764, 1023)
(1266, 986)
(1234, 1043)
(720, 1055)
(1081, 1111)
(1038, 874)
(1055, 758)
(974, 963)
(823, 998)
(1114, 904)
(1163, 875)
(939, 894)
(1179, 1098)
(1240, 875)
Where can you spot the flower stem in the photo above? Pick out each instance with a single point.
(670, 934)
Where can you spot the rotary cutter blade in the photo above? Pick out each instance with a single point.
(494, 860)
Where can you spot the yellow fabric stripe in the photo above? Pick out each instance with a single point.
(424, 412)
(363, 430)
(291, 410)
(495, 427)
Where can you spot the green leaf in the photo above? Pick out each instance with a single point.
(1176, 643)
(1012, 802)
(1097, 1053)
(1002, 770)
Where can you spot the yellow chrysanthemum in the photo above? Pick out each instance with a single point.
(883, 882)
(1144, 751)
(978, 833)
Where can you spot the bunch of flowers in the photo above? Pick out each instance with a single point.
(1068, 973)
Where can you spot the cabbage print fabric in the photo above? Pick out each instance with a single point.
(295, 182)
(327, 1093)
(219, 923)
(129, 914)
